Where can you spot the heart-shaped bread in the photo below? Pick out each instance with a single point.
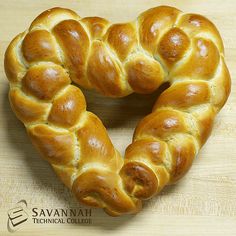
(61, 50)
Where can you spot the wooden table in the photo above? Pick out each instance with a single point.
(204, 203)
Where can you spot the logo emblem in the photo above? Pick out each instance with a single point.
(17, 216)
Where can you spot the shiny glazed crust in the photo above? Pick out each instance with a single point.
(161, 45)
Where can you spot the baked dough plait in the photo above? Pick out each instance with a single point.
(61, 51)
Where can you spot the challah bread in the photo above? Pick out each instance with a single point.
(60, 50)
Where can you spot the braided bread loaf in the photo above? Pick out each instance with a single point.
(60, 50)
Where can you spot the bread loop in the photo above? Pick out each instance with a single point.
(61, 51)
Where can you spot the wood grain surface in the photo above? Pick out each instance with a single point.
(203, 203)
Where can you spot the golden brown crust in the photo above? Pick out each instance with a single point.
(14, 68)
(67, 108)
(148, 149)
(56, 147)
(162, 45)
(52, 16)
(122, 39)
(205, 122)
(75, 43)
(25, 109)
(95, 144)
(39, 45)
(184, 95)
(96, 26)
(202, 63)
(222, 86)
(103, 71)
(161, 124)
(194, 24)
(173, 45)
(139, 180)
(44, 81)
(65, 173)
(103, 190)
(183, 152)
(153, 22)
(144, 75)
